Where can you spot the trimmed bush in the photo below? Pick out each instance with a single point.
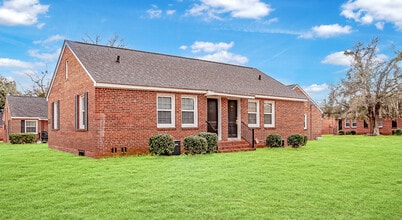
(341, 132)
(195, 145)
(397, 132)
(212, 140)
(273, 140)
(296, 140)
(22, 138)
(161, 144)
(353, 132)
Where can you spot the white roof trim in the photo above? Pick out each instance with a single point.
(281, 98)
(147, 88)
(31, 118)
(212, 93)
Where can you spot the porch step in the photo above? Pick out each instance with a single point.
(234, 146)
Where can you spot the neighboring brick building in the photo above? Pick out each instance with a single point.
(106, 101)
(24, 114)
(386, 125)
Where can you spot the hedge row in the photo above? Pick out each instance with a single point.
(342, 132)
(397, 132)
(22, 138)
(294, 140)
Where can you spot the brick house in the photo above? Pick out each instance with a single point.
(106, 101)
(312, 114)
(386, 125)
(24, 114)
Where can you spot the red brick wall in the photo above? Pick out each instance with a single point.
(386, 129)
(329, 126)
(65, 90)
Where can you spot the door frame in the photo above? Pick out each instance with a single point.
(219, 114)
(238, 119)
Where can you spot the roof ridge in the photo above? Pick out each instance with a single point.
(161, 54)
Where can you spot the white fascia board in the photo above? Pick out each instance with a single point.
(212, 93)
(147, 88)
(30, 118)
(280, 98)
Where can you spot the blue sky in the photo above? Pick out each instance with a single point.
(294, 41)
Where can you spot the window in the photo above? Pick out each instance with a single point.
(66, 69)
(380, 123)
(253, 113)
(347, 123)
(269, 114)
(305, 121)
(394, 123)
(365, 125)
(31, 126)
(81, 112)
(56, 115)
(189, 111)
(165, 109)
(354, 123)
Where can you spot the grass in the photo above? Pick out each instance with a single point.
(339, 177)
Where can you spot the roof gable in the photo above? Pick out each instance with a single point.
(147, 69)
(27, 107)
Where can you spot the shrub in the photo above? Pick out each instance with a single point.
(195, 145)
(353, 132)
(341, 132)
(212, 141)
(161, 144)
(305, 139)
(296, 140)
(398, 132)
(273, 140)
(22, 138)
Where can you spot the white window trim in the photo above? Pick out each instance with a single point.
(257, 125)
(346, 121)
(36, 126)
(55, 115)
(354, 121)
(195, 124)
(81, 112)
(66, 69)
(273, 115)
(171, 125)
(305, 122)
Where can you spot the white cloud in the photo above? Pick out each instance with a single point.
(217, 52)
(21, 12)
(225, 57)
(315, 88)
(170, 12)
(154, 12)
(370, 11)
(44, 56)
(210, 47)
(326, 31)
(212, 9)
(7, 62)
(50, 39)
(337, 58)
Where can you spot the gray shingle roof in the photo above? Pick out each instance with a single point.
(29, 107)
(140, 68)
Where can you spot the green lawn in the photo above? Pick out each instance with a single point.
(339, 177)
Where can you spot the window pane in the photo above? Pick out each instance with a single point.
(30, 123)
(267, 119)
(252, 118)
(187, 104)
(188, 117)
(267, 108)
(30, 126)
(252, 107)
(164, 103)
(164, 117)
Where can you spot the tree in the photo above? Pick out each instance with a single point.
(6, 87)
(40, 84)
(372, 87)
(115, 41)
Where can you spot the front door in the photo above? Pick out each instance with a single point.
(340, 124)
(232, 119)
(212, 115)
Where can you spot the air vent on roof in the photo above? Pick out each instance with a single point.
(118, 59)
